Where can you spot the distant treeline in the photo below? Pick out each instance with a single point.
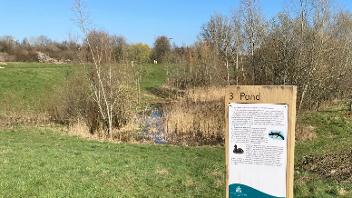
(12, 50)
(26, 50)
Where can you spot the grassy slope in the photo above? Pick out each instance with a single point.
(155, 76)
(25, 86)
(40, 162)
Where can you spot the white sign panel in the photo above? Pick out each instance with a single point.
(257, 150)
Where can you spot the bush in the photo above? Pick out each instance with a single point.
(73, 103)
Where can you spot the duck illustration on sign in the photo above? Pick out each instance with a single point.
(237, 150)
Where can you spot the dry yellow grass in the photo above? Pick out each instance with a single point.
(194, 119)
(80, 129)
(124, 134)
(28, 118)
(305, 133)
(162, 171)
(197, 118)
(206, 94)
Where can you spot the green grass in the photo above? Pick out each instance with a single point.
(26, 86)
(312, 186)
(41, 162)
(46, 163)
(155, 76)
(334, 135)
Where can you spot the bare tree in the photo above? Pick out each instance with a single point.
(102, 78)
(219, 34)
(310, 48)
(253, 30)
(238, 42)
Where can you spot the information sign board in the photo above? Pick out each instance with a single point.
(260, 126)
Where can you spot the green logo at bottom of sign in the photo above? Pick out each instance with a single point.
(240, 190)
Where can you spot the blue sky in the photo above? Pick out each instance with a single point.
(136, 20)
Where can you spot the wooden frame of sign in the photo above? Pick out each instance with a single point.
(259, 95)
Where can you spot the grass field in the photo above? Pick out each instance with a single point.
(330, 173)
(155, 76)
(45, 162)
(41, 162)
(26, 86)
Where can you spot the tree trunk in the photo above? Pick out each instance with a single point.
(228, 72)
(302, 97)
(237, 67)
(110, 126)
(252, 63)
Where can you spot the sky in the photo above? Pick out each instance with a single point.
(136, 20)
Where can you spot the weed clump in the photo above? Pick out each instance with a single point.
(335, 166)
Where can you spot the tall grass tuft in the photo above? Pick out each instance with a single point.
(196, 119)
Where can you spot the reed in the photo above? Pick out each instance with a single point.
(197, 118)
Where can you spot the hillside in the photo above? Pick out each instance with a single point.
(26, 86)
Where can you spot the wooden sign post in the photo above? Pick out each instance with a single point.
(259, 141)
